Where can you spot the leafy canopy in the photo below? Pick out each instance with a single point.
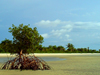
(25, 38)
(6, 45)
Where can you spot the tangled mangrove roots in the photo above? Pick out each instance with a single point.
(26, 62)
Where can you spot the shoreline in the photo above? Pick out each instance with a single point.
(49, 54)
(74, 65)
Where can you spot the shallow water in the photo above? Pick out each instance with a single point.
(5, 59)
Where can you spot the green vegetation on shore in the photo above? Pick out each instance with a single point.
(6, 46)
(29, 40)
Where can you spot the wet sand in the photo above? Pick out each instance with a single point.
(73, 65)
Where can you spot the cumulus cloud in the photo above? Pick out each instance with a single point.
(48, 23)
(58, 32)
(61, 34)
(55, 23)
(62, 29)
(67, 35)
(86, 25)
(45, 35)
(68, 27)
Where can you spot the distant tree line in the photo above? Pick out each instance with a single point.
(7, 46)
(28, 40)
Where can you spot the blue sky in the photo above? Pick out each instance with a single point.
(59, 21)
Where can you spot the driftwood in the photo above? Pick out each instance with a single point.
(26, 62)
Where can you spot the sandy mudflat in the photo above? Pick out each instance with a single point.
(73, 65)
(49, 54)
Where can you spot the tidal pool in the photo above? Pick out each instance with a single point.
(5, 59)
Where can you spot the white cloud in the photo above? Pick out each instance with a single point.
(48, 23)
(67, 35)
(68, 27)
(86, 25)
(61, 29)
(54, 23)
(45, 35)
(58, 32)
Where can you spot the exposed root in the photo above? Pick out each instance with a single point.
(26, 62)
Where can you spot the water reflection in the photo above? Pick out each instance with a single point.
(5, 59)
